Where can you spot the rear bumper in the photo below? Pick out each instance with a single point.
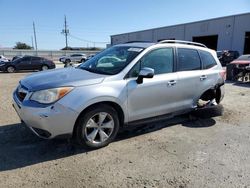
(46, 122)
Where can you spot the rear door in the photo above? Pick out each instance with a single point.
(210, 70)
(190, 76)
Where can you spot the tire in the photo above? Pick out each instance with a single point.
(67, 61)
(230, 72)
(44, 68)
(90, 134)
(82, 60)
(11, 69)
(66, 65)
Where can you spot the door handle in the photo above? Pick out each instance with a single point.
(203, 77)
(171, 82)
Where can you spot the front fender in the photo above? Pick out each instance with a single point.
(82, 97)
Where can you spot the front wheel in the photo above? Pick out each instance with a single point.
(97, 127)
(44, 68)
(11, 69)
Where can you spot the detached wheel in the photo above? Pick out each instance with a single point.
(11, 69)
(44, 68)
(98, 127)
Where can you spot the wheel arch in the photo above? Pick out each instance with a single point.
(212, 93)
(10, 66)
(116, 106)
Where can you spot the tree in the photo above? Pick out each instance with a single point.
(21, 45)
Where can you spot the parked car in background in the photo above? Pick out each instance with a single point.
(90, 56)
(27, 63)
(3, 59)
(239, 68)
(126, 84)
(73, 58)
(227, 56)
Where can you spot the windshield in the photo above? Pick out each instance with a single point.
(112, 60)
(244, 57)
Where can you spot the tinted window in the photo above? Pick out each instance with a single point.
(26, 59)
(75, 55)
(207, 60)
(188, 59)
(36, 58)
(161, 60)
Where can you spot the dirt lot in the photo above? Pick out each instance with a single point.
(203, 152)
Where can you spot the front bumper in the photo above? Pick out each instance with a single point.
(46, 122)
(2, 68)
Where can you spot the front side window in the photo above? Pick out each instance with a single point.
(161, 60)
(188, 59)
(207, 60)
(112, 60)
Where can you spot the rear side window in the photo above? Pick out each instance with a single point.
(36, 58)
(207, 59)
(188, 59)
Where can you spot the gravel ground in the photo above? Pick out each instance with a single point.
(208, 151)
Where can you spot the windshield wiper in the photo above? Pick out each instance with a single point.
(95, 70)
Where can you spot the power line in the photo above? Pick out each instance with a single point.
(84, 40)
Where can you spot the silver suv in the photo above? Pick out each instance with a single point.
(123, 85)
(73, 58)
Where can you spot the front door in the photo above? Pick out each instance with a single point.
(155, 96)
(24, 63)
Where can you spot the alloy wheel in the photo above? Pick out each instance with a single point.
(99, 128)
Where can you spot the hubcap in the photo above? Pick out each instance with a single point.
(44, 68)
(10, 69)
(99, 128)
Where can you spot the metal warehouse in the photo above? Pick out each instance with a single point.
(225, 33)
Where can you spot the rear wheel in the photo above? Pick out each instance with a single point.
(97, 127)
(11, 69)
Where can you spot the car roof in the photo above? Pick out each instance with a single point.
(148, 44)
(137, 44)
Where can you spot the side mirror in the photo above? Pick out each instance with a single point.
(145, 73)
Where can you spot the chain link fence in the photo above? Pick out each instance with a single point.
(50, 54)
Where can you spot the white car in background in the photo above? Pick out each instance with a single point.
(4, 59)
(73, 58)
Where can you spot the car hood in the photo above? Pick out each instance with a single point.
(61, 77)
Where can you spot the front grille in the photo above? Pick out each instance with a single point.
(21, 92)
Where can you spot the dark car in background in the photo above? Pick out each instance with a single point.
(27, 63)
(227, 56)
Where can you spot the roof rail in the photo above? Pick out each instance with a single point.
(182, 42)
(137, 41)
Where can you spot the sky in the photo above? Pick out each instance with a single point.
(91, 22)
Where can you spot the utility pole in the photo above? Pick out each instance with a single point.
(34, 29)
(32, 42)
(65, 31)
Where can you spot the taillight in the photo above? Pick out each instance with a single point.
(223, 74)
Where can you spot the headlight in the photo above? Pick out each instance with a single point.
(50, 95)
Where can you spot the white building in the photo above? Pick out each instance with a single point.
(225, 33)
